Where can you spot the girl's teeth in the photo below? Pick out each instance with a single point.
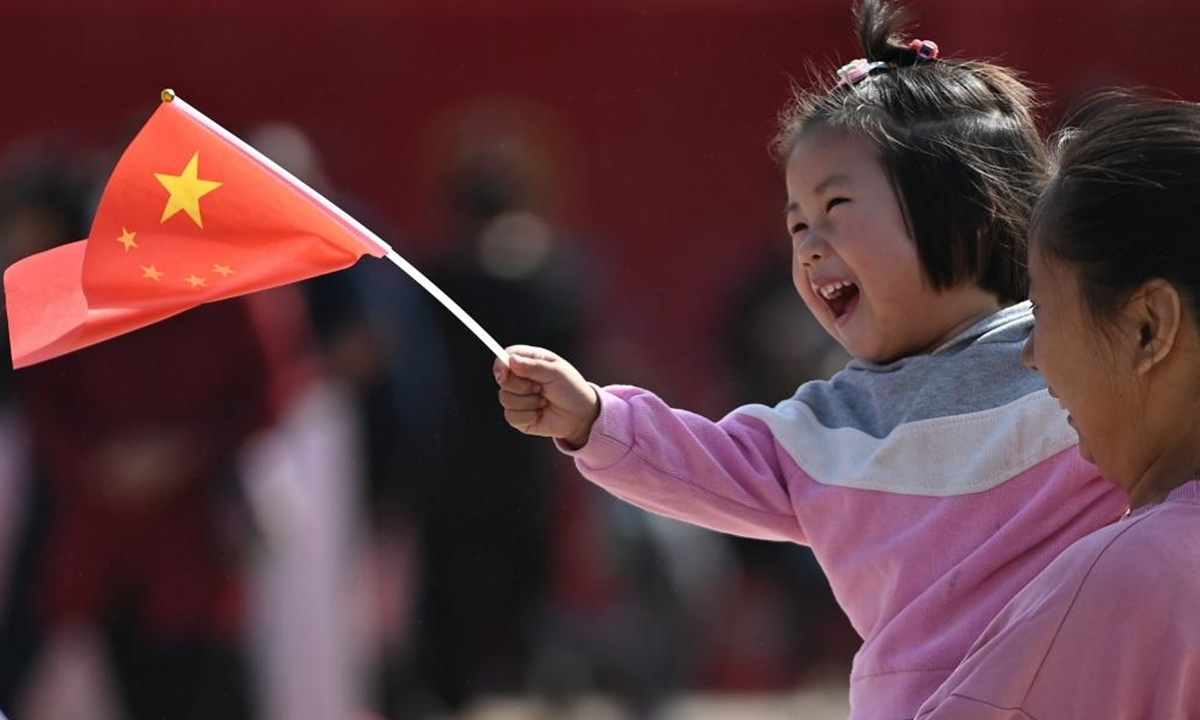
(828, 291)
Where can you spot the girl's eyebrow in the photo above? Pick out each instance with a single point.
(834, 179)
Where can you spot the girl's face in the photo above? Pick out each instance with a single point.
(1083, 368)
(853, 260)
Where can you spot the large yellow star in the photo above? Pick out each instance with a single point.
(186, 190)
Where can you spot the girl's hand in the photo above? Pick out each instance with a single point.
(542, 394)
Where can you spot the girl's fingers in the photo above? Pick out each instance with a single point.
(530, 351)
(522, 420)
(537, 369)
(516, 401)
(520, 385)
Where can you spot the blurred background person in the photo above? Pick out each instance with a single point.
(43, 202)
(485, 517)
(135, 440)
(136, 531)
(346, 561)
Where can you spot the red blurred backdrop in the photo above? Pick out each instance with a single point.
(659, 111)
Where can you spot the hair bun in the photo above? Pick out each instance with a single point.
(880, 25)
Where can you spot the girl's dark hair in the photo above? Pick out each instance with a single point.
(959, 142)
(1120, 206)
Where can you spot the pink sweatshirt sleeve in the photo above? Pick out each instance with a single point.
(726, 476)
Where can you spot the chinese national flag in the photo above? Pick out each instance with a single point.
(190, 215)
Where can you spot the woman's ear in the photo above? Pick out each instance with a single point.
(1156, 310)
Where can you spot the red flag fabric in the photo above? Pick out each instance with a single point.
(190, 215)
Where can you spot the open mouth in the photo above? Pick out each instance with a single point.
(840, 296)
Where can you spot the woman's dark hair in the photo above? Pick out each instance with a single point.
(957, 139)
(1121, 204)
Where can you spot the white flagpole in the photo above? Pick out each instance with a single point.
(452, 306)
(389, 253)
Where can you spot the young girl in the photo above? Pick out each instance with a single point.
(1109, 629)
(934, 476)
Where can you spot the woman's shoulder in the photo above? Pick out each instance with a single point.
(1083, 569)
(1144, 556)
(1148, 560)
(1081, 587)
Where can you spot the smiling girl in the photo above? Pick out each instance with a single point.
(934, 476)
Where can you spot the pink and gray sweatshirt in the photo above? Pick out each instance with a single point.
(931, 489)
(1108, 630)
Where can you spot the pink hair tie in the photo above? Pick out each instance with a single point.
(926, 50)
(856, 70)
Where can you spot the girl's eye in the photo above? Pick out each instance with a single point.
(834, 202)
(799, 228)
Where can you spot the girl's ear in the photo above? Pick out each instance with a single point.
(1156, 311)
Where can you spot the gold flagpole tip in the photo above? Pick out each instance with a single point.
(168, 95)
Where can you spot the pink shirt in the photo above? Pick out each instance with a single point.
(1108, 630)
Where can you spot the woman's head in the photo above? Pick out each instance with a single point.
(1115, 266)
(958, 147)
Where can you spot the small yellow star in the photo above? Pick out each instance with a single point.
(186, 190)
(195, 281)
(126, 239)
(152, 273)
(222, 270)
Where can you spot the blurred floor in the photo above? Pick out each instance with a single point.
(824, 702)
(74, 686)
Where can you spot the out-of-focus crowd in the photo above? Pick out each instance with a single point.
(305, 503)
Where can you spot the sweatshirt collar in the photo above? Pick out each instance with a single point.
(1189, 493)
(999, 325)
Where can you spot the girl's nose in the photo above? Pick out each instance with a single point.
(811, 250)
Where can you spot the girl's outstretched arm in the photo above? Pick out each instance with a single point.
(542, 394)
